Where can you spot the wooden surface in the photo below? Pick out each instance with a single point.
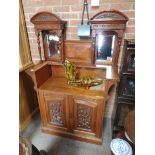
(130, 125)
(28, 103)
(25, 59)
(78, 51)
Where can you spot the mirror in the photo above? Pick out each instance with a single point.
(105, 47)
(53, 44)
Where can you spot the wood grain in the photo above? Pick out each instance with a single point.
(78, 51)
(28, 103)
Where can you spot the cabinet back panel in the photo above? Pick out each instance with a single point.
(58, 71)
(93, 72)
(79, 52)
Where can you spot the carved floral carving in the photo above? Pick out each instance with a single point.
(108, 15)
(84, 114)
(56, 112)
(108, 26)
(46, 17)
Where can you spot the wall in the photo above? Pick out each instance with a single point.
(71, 11)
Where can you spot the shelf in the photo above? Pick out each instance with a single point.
(59, 85)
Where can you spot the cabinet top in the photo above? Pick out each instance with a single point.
(59, 85)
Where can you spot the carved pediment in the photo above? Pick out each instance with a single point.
(44, 17)
(112, 15)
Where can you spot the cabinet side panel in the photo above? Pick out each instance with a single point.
(28, 103)
(42, 108)
(42, 75)
(99, 118)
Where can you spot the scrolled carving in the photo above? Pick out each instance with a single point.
(107, 26)
(45, 18)
(108, 15)
(84, 114)
(56, 112)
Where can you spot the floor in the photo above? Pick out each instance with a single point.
(62, 146)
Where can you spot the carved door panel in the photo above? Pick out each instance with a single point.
(56, 110)
(84, 114)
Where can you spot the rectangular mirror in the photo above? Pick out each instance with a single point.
(105, 47)
(53, 44)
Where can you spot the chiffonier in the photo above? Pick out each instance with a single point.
(71, 111)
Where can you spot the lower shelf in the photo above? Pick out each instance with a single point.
(82, 138)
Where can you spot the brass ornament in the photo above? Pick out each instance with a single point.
(86, 81)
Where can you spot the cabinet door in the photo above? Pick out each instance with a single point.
(56, 111)
(84, 115)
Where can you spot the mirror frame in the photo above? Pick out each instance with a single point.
(46, 21)
(104, 22)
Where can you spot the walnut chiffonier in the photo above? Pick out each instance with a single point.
(67, 110)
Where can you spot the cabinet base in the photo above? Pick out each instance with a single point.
(83, 138)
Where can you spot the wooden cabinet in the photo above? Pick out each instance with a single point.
(72, 115)
(126, 87)
(70, 111)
